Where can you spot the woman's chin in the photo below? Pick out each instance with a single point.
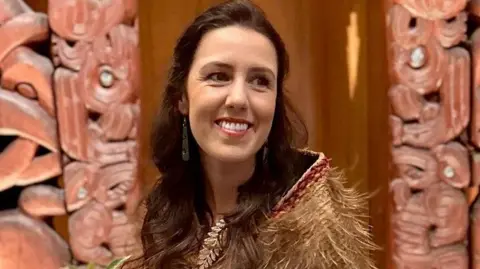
(232, 154)
(234, 158)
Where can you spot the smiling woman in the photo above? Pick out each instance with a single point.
(235, 191)
(231, 92)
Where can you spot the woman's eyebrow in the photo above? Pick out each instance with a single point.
(216, 64)
(223, 65)
(259, 69)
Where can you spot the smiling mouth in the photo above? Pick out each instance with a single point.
(233, 126)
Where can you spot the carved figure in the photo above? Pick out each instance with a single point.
(475, 137)
(93, 78)
(32, 153)
(430, 99)
(95, 51)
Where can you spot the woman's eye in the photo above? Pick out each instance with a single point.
(219, 77)
(261, 82)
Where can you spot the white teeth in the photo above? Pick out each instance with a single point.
(232, 126)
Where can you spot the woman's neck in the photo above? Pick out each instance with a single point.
(222, 182)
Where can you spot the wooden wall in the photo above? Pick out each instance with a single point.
(338, 81)
(38, 5)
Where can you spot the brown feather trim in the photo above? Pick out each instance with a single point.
(323, 228)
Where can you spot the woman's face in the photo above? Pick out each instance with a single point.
(231, 92)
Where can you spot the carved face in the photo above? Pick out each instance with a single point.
(231, 93)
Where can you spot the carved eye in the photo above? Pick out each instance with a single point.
(418, 57)
(82, 193)
(106, 78)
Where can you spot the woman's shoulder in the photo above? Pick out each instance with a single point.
(319, 222)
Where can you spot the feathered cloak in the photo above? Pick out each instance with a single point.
(318, 224)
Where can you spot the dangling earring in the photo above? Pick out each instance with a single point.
(185, 150)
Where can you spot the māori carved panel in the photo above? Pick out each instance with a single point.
(95, 53)
(70, 113)
(433, 95)
(30, 152)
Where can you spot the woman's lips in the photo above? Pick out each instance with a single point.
(233, 127)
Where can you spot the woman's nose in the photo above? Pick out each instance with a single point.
(237, 96)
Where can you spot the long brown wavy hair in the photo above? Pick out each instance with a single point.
(177, 215)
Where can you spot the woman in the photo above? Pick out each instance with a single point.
(234, 192)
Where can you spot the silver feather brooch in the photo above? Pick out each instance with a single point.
(212, 246)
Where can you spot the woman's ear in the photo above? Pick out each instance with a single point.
(183, 105)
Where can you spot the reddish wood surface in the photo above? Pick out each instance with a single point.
(95, 52)
(27, 115)
(87, 89)
(431, 99)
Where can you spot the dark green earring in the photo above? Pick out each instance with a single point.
(185, 149)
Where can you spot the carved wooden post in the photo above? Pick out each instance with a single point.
(474, 9)
(95, 52)
(29, 149)
(430, 111)
(94, 81)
